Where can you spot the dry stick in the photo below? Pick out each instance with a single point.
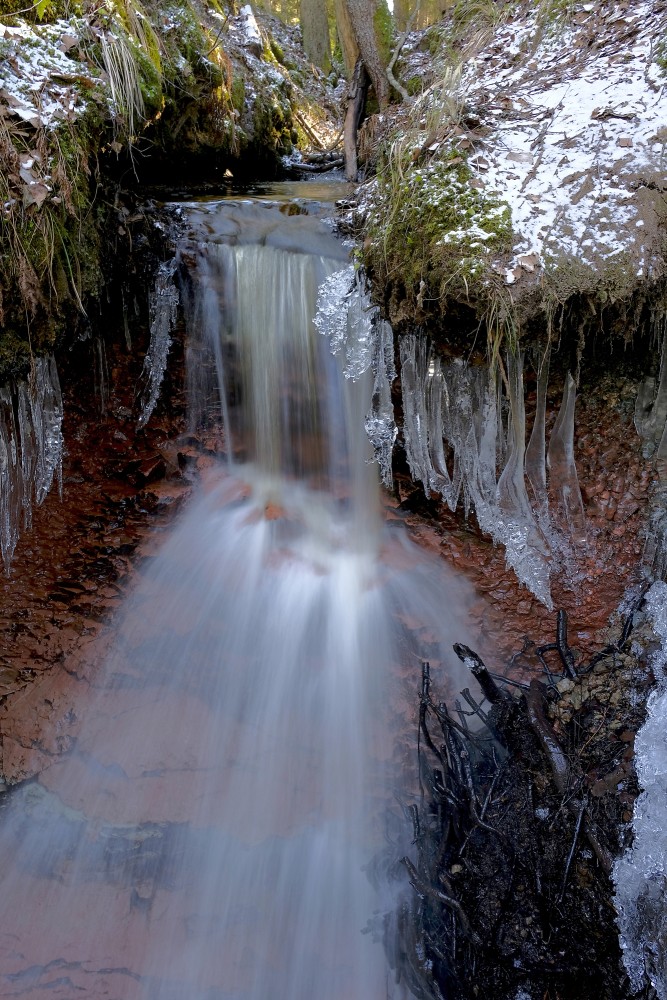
(308, 130)
(430, 890)
(475, 707)
(397, 51)
(571, 854)
(561, 769)
(355, 105)
(564, 651)
(616, 647)
(318, 168)
(491, 690)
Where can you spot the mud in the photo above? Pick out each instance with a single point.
(121, 487)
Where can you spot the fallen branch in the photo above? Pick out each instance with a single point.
(474, 663)
(397, 51)
(562, 770)
(318, 168)
(430, 890)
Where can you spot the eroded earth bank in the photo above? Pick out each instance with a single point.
(509, 224)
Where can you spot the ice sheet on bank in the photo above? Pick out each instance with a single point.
(31, 445)
(456, 405)
(640, 875)
(346, 315)
(163, 306)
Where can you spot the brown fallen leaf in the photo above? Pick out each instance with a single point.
(35, 194)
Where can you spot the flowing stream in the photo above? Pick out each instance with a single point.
(222, 827)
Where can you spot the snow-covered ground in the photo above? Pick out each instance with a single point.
(574, 133)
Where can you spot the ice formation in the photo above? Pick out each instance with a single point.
(563, 480)
(356, 333)
(536, 449)
(651, 424)
(163, 306)
(651, 405)
(456, 406)
(454, 436)
(640, 875)
(31, 444)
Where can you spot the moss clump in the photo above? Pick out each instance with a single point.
(384, 30)
(434, 232)
(237, 93)
(276, 50)
(660, 55)
(272, 125)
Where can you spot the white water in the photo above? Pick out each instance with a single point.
(211, 834)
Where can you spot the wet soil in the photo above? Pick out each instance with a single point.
(122, 487)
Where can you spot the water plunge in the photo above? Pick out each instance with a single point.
(218, 828)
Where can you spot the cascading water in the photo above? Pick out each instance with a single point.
(215, 830)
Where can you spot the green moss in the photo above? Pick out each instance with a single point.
(660, 54)
(432, 226)
(272, 124)
(237, 93)
(414, 85)
(44, 11)
(384, 30)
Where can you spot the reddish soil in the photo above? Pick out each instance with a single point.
(122, 487)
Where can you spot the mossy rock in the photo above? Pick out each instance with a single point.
(434, 232)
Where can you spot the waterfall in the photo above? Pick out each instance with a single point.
(218, 830)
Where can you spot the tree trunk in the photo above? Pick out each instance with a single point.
(315, 31)
(356, 100)
(362, 17)
(346, 36)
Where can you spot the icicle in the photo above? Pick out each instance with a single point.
(380, 424)
(651, 404)
(563, 480)
(414, 372)
(525, 548)
(47, 408)
(346, 315)
(465, 414)
(640, 875)
(28, 451)
(535, 459)
(31, 446)
(11, 480)
(436, 402)
(458, 404)
(352, 324)
(163, 308)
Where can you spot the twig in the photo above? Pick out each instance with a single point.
(561, 768)
(474, 663)
(308, 130)
(571, 854)
(430, 890)
(397, 51)
(564, 650)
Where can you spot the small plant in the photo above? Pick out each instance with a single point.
(660, 54)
